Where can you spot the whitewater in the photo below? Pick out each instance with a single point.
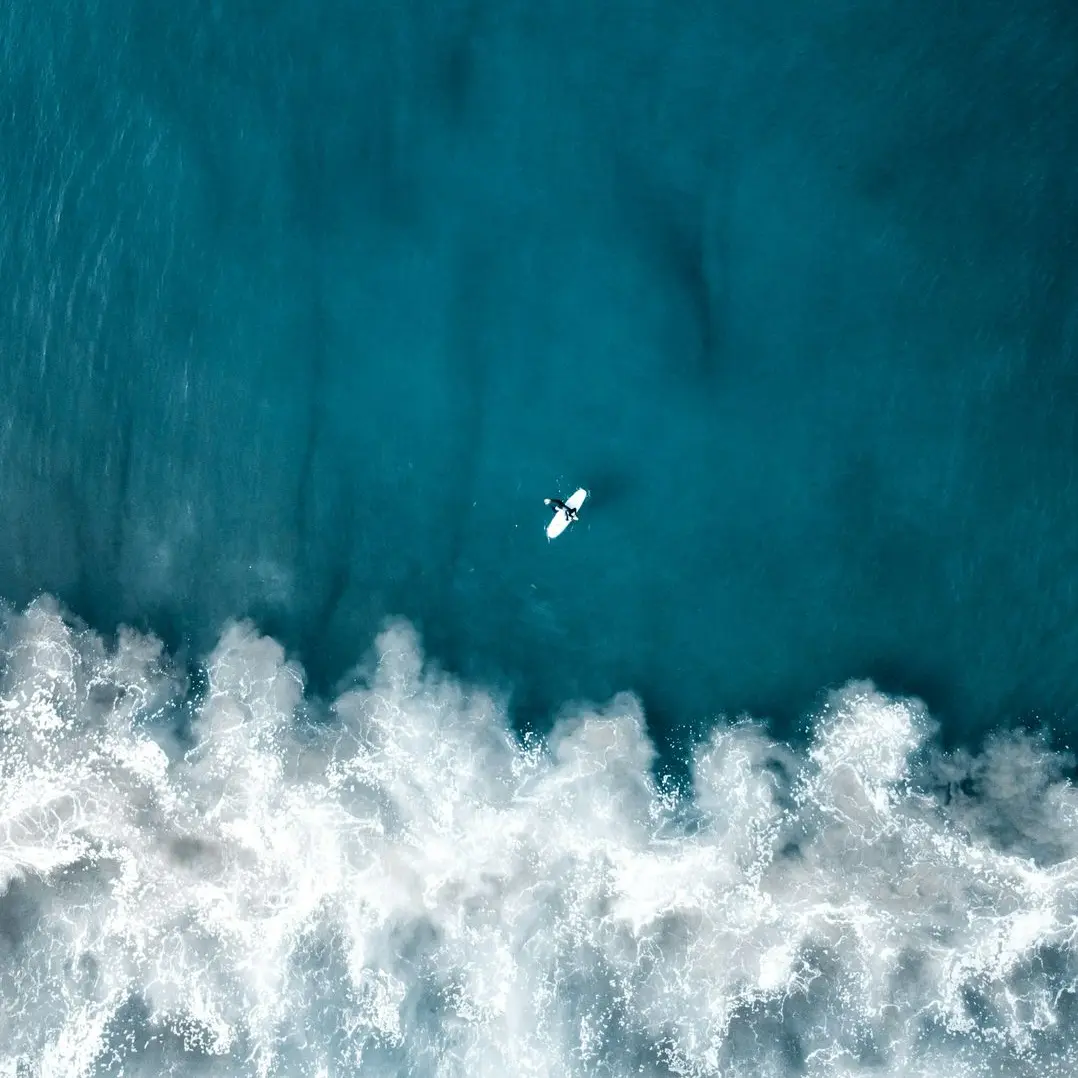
(207, 870)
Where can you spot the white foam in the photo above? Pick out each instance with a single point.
(410, 889)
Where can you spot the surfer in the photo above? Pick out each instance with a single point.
(558, 506)
(564, 512)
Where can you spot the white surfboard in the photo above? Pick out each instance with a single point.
(560, 521)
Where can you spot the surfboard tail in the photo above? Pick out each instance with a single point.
(576, 500)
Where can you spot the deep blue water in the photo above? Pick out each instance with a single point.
(304, 308)
(307, 307)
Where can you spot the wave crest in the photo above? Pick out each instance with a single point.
(242, 880)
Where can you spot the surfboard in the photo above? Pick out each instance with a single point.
(559, 522)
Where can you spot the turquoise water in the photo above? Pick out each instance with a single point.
(308, 310)
(304, 309)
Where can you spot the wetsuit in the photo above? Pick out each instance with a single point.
(557, 505)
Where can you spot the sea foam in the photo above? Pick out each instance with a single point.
(228, 876)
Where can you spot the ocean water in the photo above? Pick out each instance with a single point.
(316, 758)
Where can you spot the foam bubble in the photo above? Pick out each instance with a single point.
(215, 883)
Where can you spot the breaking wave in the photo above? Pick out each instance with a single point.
(231, 877)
